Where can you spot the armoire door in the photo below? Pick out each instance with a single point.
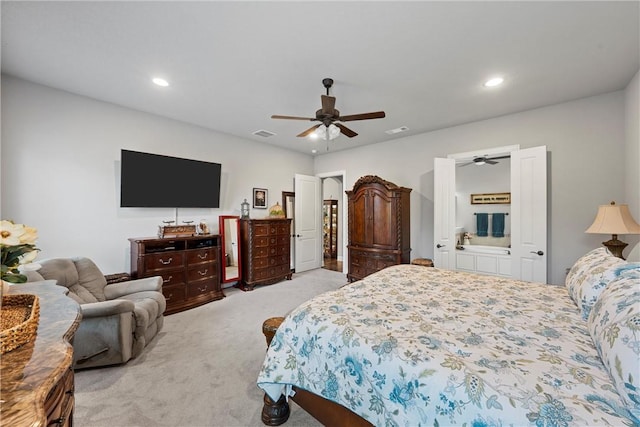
(382, 228)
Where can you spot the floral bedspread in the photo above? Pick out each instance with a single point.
(417, 346)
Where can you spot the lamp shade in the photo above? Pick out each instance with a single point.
(614, 219)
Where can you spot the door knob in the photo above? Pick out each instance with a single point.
(538, 253)
(440, 246)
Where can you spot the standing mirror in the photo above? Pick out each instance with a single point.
(230, 234)
(288, 203)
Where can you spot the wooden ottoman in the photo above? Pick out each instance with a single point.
(425, 262)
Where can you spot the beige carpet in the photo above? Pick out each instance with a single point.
(201, 370)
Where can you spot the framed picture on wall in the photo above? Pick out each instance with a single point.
(260, 198)
(490, 199)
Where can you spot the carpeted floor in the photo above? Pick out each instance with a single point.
(201, 370)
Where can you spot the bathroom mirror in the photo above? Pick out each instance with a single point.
(230, 239)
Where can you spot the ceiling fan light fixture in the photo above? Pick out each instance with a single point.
(479, 162)
(330, 132)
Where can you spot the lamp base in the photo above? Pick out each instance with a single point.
(615, 246)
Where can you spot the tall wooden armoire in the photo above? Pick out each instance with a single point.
(379, 225)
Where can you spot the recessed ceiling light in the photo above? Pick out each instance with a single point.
(314, 151)
(496, 81)
(160, 82)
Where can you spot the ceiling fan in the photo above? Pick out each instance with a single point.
(329, 116)
(485, 160)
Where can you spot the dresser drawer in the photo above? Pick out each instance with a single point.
(261, 229)
(200, 288)
(260, 241)
(201, 255)
(174, 294)
(164, 260)
(174, 277)
(203, 271)
(283, 229)
(283, 250)
(60, 401)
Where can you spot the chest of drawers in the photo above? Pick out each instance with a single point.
(189, 267)
(266, 257)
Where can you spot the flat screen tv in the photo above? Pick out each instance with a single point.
(156, 181)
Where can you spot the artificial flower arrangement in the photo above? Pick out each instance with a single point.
(18, 245)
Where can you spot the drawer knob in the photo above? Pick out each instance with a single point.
(206, 255)
(165, 262)
(203, 273)
(167, 280)
(203, 289)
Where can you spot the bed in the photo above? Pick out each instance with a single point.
(413, 345)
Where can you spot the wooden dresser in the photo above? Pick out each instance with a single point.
(189, 266)
(266, 257)
(379, 225)
(37, 378)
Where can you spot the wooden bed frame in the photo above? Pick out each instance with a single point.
(327, 412)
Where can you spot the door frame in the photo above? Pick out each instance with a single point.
(339, 174)
(470, 155)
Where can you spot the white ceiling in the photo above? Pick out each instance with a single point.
(232, 65)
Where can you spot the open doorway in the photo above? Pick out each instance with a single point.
(333, 221)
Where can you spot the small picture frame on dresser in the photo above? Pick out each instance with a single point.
(260, 198)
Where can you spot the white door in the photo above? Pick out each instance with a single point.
(308, 228)
(529, 214)
(444, 215)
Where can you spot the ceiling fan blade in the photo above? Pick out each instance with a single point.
(328, 104)
(498, 158)
(345, 130)
(275, 116)
(309, 131)
(490, 162)
(363, 116)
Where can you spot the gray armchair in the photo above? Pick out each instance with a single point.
(119, 317)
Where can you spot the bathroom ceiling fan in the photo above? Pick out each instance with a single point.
(483, 160)
(329, 117)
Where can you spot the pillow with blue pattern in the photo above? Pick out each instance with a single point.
(589, 276)
(614, 325)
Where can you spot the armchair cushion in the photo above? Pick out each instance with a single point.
(120, 289)
(80, 275)
(106, 308)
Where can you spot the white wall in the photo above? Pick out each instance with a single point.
(60, 155)
(585, 139)
(60, 170)
(632, 156)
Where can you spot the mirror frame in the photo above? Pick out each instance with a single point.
(223, 258)
(285, 198)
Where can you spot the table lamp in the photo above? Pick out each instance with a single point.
(614, 219)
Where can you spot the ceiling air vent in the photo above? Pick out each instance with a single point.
(263, 133)
(397, 130)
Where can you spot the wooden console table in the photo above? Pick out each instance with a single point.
(37, 378)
